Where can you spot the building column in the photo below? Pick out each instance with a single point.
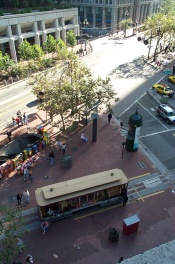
(44, 35)
(141, 14)
(85, 13)
(145, 13)
(94, 16)
(13, 50)
(103, 17)
(64, 34)
(137, 14)
(36, 37)
(18, 31)
(57, 32)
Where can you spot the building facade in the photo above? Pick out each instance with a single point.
(108, 13)
(34, 27)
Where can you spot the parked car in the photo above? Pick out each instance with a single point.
(163, 89)
(171, 78)
(167, 113)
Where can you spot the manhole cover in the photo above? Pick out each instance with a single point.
(46, 177)
(140, 165)
(74, 149)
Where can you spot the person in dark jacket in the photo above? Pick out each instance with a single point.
(51, 157)
(109, 117)
(125, 199)
(19, 198)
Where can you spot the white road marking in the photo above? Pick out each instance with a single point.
(14, 97)
(160, 132)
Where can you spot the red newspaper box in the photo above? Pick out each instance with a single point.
(131, 224)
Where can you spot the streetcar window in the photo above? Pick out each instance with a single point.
(75, 201)
(90, 196)
(83, 199)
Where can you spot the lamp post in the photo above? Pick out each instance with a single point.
(94, 126)
(126, 17)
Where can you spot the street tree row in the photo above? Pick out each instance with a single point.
(161, 27)
(71, 86)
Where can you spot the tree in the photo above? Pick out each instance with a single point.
(11, 227)
(25, 50)
(50, 45)
(5, 61)
(37, 51)
(71, 38)
(71, 87)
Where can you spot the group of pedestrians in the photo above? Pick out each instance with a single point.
(20, 119)
(23, 198)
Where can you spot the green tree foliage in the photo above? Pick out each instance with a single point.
(11, 227)
(5, 62)
(125, 23)
(25, 51)
(50, 45)
(37, 51)
(168, 8)
(71, 38)
(70, 87)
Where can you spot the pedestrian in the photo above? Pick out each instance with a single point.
(29, 258)
(64, 148)
(120, 260)
(18, 113)
(9, 135)
(59, 144)
(26, 172)
(44, 226)
(51, 157)
(17, 120)
(25, 119)
(20, 244)
(125, 199)
(13, 121)
(109, 117)
(82, 137)
(19, 198)
(30, 175)
(26, 196)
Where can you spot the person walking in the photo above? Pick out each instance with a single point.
(44, 226)
(13, 121)
(26, 196)
(125, 199)
(29, 258)
(30, 175)
(17, 120)
(59, 144)
(26, 172)
(51, 157)
(109, 117)
(82, 137)
(9, 135)
(64, 148)
(20, 244)
(25, 119)
(19, 198)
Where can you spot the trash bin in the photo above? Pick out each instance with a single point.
(113, 235)
(66, 162)
(165, 99)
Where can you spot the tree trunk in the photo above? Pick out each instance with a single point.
(62, 119)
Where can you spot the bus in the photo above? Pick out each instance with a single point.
(62, 199)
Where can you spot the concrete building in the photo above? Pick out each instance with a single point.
(34, 27)
(108, 13)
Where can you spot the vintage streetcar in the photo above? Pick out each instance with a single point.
(64, 198)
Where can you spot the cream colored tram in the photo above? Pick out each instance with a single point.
(64, 198)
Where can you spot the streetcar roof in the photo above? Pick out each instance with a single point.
(79, 186)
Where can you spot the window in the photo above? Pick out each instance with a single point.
(90, 197)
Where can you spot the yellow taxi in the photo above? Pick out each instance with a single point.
(171, 79)
(163, 89)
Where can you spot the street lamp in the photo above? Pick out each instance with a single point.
(126, 17)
